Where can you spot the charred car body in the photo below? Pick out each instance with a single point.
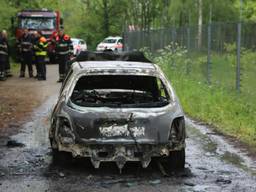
(118, 107)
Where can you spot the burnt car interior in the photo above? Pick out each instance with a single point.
(119, 91)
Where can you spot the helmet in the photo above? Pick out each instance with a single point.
(42, 40)
(66, 37)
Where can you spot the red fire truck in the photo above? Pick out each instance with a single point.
(45, 21)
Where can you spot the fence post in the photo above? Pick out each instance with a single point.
(209, 54)
(238, 57)
(188, 50)
(209, 37)
(238, 67)
(173, 38)
(125, 39)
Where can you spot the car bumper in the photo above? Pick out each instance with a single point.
(120, 153)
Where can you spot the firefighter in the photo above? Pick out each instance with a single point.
(41, 53)
(26, 49)
(7, 64)
(3, 56)
(64, 50)
(36, 36)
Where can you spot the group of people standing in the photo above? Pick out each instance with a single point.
(33, 49)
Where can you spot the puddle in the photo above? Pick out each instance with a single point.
(34, 134)
(214, 144)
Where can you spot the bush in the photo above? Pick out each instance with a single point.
(217, 104)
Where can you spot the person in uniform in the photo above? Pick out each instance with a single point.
(7, 64)
(35, 38)
(64, 51)
(41, 54)
(3, 56)
(26, 49)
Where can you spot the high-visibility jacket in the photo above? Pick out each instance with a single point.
(64, 45)
(41, 49)
(3, 46)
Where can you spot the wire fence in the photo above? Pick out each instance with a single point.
(220, 54)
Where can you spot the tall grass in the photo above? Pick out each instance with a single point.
(217, 103)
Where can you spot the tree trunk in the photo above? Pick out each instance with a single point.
(106, 18)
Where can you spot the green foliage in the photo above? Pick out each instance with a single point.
(6, 12)
(217, 104)
(94, 20)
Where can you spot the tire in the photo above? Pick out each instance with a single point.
(175, 161)
(60, 157)
(53, 143)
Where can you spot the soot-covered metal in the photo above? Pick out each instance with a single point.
(118, 111)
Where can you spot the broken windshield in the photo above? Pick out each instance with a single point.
(120, 91)
(37, 23)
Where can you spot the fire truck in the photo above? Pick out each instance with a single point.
(45, 21)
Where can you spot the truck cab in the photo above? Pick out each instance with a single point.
(45, 21)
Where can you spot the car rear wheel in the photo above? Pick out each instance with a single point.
(59, 157)
(175, 161)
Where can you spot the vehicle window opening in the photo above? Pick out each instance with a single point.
(37, 23)
(120, 91)
(109, 40)
(120, 41)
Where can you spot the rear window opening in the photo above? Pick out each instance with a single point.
(119, 91)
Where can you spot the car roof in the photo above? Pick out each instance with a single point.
(123, 67)
(110, 37)
(76, 39)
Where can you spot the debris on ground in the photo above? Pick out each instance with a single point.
(89, 177)
(201, 168)
(155, 182)
(61, 174)
(223, 180)
(2, 174)
(114, 181)
(126, 182)
(131, 184)
(13, 143)
(189, 184)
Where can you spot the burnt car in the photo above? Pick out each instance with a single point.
(118, 108)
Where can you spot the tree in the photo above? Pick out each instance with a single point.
(94, 20)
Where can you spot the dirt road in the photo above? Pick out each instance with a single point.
(212, 163)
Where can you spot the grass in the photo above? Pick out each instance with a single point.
(217, 104)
